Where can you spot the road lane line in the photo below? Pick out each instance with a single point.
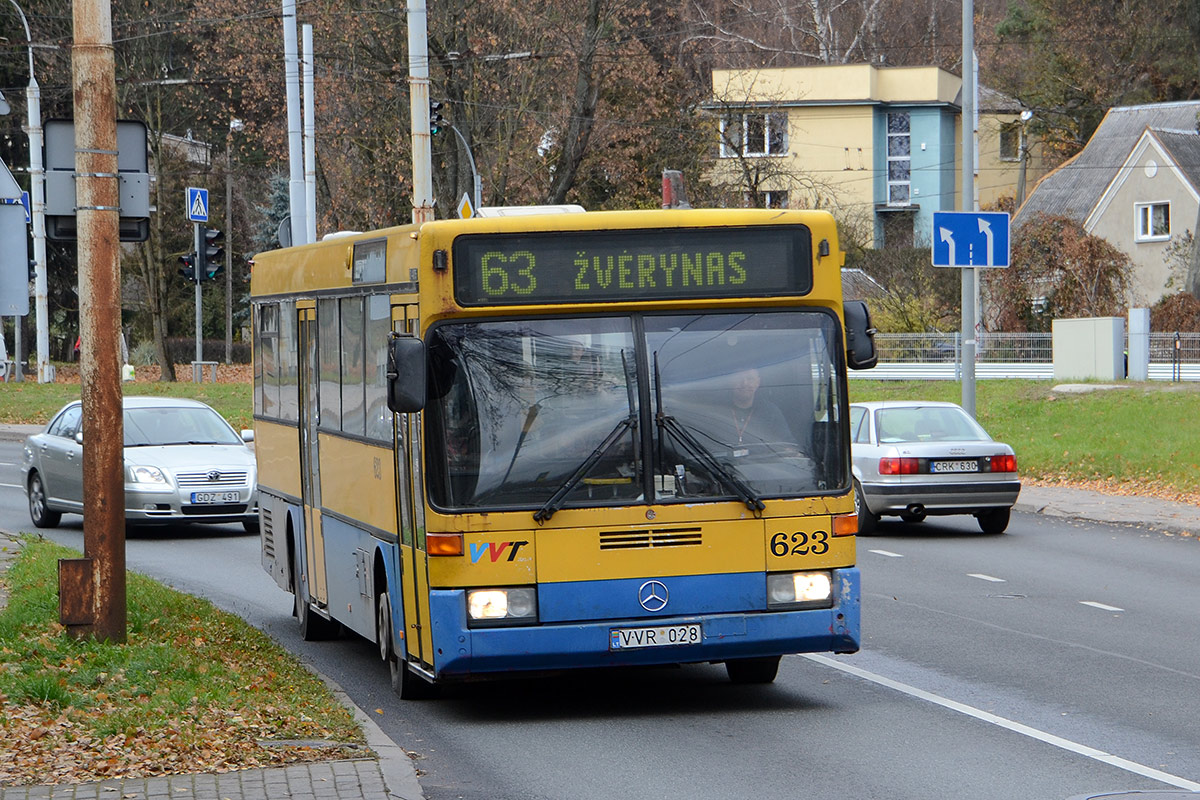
(887, 553)
(1008, 724)
(983, 577)
(1100, 606)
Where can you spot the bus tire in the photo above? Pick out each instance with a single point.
(752, 670)
(313, 627)
(405, 683)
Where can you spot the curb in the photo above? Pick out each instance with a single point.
(399, 774)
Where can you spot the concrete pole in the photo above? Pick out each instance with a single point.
(310, 138)
(418, 98)
(291, 71)
(967, 202)
(97, 192)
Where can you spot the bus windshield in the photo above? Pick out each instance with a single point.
(618, 410)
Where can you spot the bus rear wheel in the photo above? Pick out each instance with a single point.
(752, 670)
(405, 683)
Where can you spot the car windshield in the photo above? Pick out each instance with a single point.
(927, 424)
(169, 425)
(551, 413)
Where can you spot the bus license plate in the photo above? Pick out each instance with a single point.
(954, 466)
(660, 636)
(200, 498)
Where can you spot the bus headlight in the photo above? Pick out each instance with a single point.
(505, 606)
(800, 590)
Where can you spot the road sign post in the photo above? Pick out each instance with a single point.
(197, 214)
(968, 240)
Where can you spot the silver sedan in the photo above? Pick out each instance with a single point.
(912, 459)
(183, 463)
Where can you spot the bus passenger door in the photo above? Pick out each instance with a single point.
(310, 464)
(411, 513)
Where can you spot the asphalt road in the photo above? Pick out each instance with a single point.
(1056, 660)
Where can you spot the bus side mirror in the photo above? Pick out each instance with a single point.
(405, 374)
(860, 335)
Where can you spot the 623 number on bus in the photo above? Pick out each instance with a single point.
(800, 543)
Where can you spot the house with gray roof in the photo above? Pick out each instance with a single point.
(1135, 184)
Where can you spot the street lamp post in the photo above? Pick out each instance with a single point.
(475, 182)
(37, 208)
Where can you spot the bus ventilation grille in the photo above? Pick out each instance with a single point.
(642, 540)
(268, 531)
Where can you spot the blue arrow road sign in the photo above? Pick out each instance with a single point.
(970, 239)
(197, 204)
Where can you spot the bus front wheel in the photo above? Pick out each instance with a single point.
(313, 627)
(752, 670)
(405, 683)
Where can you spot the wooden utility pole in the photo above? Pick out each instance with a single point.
(92, 589)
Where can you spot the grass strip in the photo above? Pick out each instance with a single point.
(193, 689)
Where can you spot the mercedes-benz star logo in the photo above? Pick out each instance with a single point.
(653, 595)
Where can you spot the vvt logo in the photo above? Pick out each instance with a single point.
(495, 550)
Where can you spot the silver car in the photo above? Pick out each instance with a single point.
(183, 463)
(911, 459)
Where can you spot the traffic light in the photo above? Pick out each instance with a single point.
(436, 120)
(212, 263)
(188, 270)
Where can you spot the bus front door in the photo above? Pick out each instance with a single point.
(418, 637)
(310, 464)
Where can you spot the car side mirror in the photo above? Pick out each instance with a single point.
(79, 436)
(860, 335)
(247, 435)
(405, 374)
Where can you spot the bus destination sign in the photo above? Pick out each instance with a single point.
(614, 265)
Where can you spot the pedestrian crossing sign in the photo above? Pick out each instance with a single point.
(197, 204)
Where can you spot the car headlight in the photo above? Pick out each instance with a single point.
(143, 474)
(504, 606)
(799, 590)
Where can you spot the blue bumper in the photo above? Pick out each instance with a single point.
(747, 633)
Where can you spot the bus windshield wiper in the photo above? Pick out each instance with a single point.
(698, 451)
(628, 424)
(555, 502)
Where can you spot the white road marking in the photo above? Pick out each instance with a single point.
(887, 553)
(1008, 724)
(11, 486)
(983, 577)
(1100, 606)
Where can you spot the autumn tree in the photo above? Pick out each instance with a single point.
(917, 297)
(1070, 62)
(1057, 270)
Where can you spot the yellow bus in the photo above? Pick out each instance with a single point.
(538, 442)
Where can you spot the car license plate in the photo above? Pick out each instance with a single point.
(954, 466)
(200, 498)
(659, 636)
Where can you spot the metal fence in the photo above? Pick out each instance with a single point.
(935, 356)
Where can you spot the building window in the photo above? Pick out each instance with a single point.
(754, 135)
(899, 159)
(1010, 141)
(1153, 221)
(769, 199)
